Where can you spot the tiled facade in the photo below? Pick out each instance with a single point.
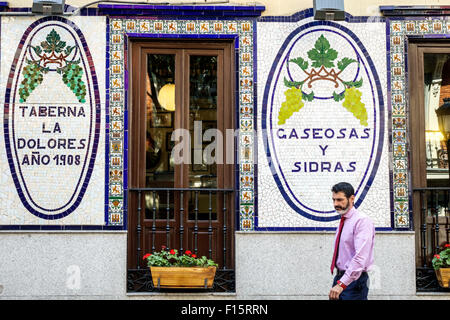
(387, 191)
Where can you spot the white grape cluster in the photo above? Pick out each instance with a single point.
(353, 104)
(292, 104)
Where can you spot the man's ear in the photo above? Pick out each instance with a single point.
(352, 199)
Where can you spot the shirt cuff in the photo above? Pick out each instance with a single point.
(345, 280)
(343, 286)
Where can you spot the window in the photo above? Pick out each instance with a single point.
(181, 92)
(429, 81)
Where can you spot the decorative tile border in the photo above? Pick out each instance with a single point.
(400, 29)
(189, 12)
(120, 28)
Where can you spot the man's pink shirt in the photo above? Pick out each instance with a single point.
(355, 246)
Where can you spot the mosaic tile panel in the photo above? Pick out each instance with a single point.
(323, 60)
(121, 28)
(54, 120)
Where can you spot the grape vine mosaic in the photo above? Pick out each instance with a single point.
(323, 66)
(52, 52)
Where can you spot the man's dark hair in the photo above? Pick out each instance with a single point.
(344, 187)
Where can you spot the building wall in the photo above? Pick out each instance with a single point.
(295, 265)
(83, 241)
(269, 265)
(63, 265)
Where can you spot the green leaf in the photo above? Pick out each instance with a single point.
(343, 63)
(358, 83)
(322, 54)
(47, 48)
(322, 44)
(59, 46)
(37, 49)
(53, 36)
(69, 49)
(331, 54)
(309, 97)
(338, 97)
(53, 43)
(292, 84)
(300, 62)
(355, 84)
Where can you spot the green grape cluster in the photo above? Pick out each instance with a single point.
(32, 77)
(353, 104)
(72, 77)
(292, 104)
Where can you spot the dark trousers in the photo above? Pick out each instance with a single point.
(356, 290)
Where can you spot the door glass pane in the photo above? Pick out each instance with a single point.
(437, 89)
(160, 103)
(203, 129)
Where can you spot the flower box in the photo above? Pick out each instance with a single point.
(183, 277)
(443, 276)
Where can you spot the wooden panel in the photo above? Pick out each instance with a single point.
(203, 242)
(160, 239)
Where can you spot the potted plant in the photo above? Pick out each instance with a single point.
(441, 265)
(170, 270)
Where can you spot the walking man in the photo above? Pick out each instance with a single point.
(353, 247)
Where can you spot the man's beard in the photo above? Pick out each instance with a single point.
(341, 210)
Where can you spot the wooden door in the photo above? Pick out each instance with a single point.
(199, 76)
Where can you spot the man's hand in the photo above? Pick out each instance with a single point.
(335, 292)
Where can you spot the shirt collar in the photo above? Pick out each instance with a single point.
(350, 213)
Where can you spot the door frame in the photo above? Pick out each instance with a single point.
(136, 105)
(417, 144)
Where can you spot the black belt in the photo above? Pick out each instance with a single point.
(340, 273)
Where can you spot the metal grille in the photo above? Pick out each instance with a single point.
(434, 233)
(139, 279)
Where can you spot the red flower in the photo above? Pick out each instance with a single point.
(146, 256)
(447, 245)
(172, 251)
(437, 256)
(188, 252)
(194, 256)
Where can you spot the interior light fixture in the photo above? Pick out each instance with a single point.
(166, 97)
(443, 115)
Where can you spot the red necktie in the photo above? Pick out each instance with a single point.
(336, 245)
